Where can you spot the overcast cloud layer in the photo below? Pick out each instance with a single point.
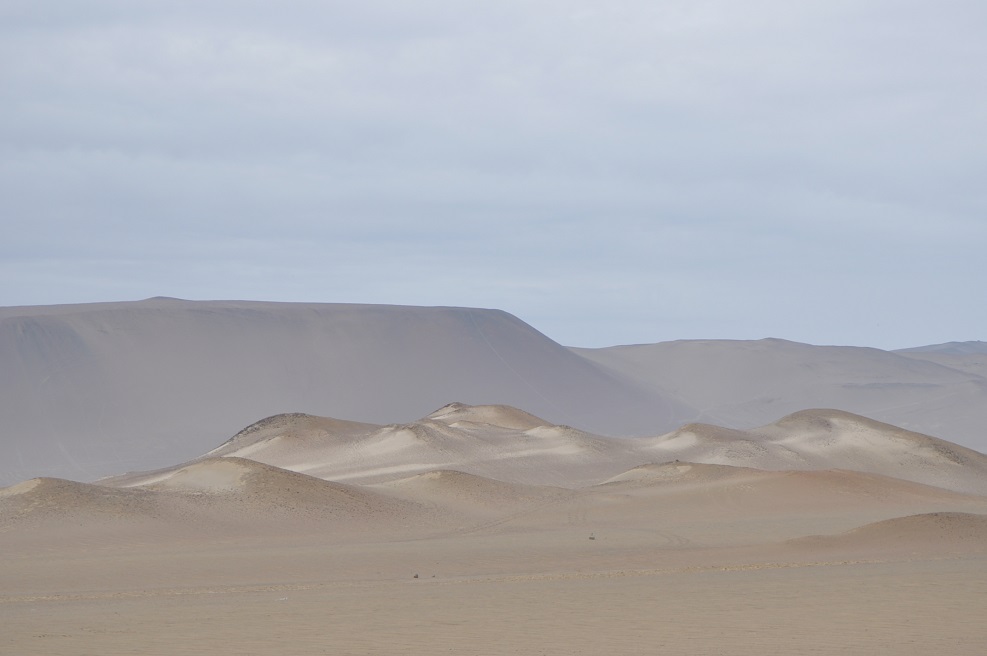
(610, 172)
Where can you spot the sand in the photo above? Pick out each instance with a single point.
(532, 584)
(228, 555)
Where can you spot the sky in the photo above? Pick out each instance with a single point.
(611, 173)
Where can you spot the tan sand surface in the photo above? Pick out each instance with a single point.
(695, 559)
(228, 555)
(514, 594)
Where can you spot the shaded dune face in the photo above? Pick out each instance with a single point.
(678, 473)
(760, 489)
(213, 495)
(490, 415)
(53, 498)
(254, 487)
(943, 532)
(451, 488)
(293, 430)
(829, 428)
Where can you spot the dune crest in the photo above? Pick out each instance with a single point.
(819, 439)
(55, 498)
(493, 415)
(560, 455)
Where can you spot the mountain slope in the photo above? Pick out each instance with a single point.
(89, 390)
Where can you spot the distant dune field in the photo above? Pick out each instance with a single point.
(486, 529)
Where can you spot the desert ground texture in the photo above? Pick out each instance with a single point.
(485, 530)
(478, 528)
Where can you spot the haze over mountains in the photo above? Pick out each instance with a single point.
(93, 390)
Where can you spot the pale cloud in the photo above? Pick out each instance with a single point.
(624, 173)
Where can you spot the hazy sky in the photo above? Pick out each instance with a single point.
(629, 171)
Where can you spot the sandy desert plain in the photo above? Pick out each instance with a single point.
(484, 529)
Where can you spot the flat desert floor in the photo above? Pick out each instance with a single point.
(622, 568)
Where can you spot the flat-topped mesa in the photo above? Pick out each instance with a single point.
(503, 416)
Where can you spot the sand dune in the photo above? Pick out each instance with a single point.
(287, 433)
(254, 491)
(491, 415)
(493, 441)
(502, 448)
(830, 488)
(679, 472)
(213, 496)
(245, 556)
(938, 533)
(44, 499)
(828, 439)
(451, 488)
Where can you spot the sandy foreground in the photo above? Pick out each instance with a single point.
(483, 530)
(666, 571)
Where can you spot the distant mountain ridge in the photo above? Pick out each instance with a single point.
(953, 348)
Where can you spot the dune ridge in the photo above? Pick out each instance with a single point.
(831, 439)
(562, 456)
